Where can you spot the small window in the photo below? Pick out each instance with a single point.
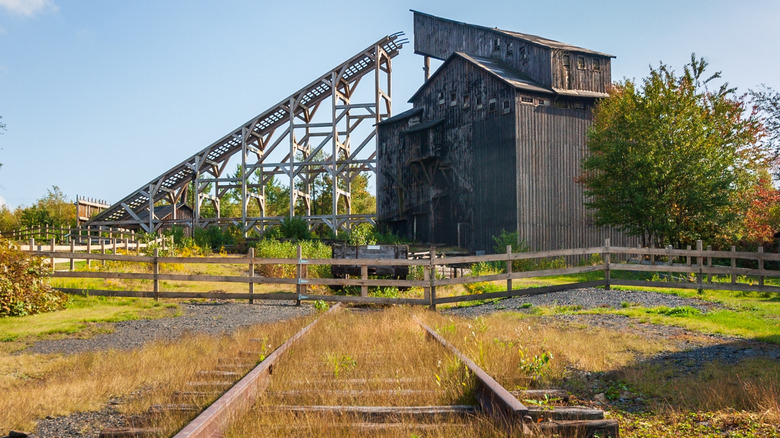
(496, 44)
(566, 61)
(491, 105)
(453, 98)
(414, 121)
(578, 105)
(544, 102)
(507, 106)
(466, 102)
(440, 97)
(521, 52)
(581, 63)
(510, 50)
(479, 102)
(561, 104)
(596, 65)
(526, 99)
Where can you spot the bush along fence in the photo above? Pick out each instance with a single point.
(694, 269)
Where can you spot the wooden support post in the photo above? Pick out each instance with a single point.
(688, 257)
(156, 274)
(509, 268)
(670, 260)
(364, 277)
(102, 250)
(299, 276)
(709, 265)
(114, 246)
(433, 279)
(89, 250)
(127, 245)
(72, 250)
(32, 244)
(700, 263)
(761, 265)
(607, 256)
(251, 275)
(53, 248)
(427, 280)
(652, 256)
(733, 266)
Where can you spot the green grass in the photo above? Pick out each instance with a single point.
(80, 314)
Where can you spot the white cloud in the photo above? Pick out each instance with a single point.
(28, 8)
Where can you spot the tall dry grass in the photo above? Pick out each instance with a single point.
(35, 386)
(364, 359)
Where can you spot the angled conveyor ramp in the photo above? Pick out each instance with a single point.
(137, 209)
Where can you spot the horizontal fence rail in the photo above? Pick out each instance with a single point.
(696, 269)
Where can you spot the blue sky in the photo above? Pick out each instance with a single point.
(100, 97)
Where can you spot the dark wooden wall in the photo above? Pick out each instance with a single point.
(440, 38)
(550, 210)
(584, 71)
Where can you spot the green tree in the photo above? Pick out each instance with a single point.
(671, 158)
(53, 210)
(766, 104)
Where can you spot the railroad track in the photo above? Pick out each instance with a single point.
(365, 372)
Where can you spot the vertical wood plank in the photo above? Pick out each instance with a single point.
(299, 276)
(709, 264)
(509, 268)
(761, 266)
(733, 265)
(700, 263)
(251, 275)
(72, 250)
(364, 277)
(156, 274)
(607, 258)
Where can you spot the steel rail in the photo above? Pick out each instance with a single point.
(240, 396)
(493, 398)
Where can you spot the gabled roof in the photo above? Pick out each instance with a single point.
(541, 41)
(506, 74)
(401, 116)
(509, 76)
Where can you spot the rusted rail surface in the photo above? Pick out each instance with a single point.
(493, 398)
(242, 395)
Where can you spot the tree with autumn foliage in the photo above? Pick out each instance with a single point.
(672, 158)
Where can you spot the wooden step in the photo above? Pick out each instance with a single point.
(548, 413)
(583, 428)
(191, 395)
(129, 432)
(173, 408)
(541, 394)
(235, 366)
(386, 413)
(212, 384)
(225, 374)
(349, 392)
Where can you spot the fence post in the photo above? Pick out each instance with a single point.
(509, 268)
(432, 276)
(251, 275)
(427, 280)
(53, 249)
(72, 250)
(700, 262)
(364, 277)
(156, 274)
(89, 250)
(761, 266)
(113, 242)
(103, 250)
(127, 246)
(709, 265)
(607, 256)
(688, 257)
(32, 244)
(298, 272)
(670, 260)
(733, 266)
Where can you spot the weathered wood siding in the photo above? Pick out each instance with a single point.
(581, 71)
(440, 38)
(495, 201)
(551, 214)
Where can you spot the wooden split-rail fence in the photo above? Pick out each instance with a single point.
(79, 235)
(678, 268)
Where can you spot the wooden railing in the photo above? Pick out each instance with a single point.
(695, 265)
(79, 234)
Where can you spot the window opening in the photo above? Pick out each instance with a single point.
(491, 105)
(526, 99)
(507, 107)
(581, 62)
(453, 98)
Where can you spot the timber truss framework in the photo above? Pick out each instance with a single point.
(333, 144)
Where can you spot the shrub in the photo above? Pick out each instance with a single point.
(295, 228)
(275, 249)
(23, 287)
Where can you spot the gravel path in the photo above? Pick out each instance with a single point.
(210, 318)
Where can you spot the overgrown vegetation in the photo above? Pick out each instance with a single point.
(674, 159)
(24, 287)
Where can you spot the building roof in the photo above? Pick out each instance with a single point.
(508, 75)
(534, 39)
(401, 116)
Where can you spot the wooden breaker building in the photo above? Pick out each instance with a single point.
(494, 141)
